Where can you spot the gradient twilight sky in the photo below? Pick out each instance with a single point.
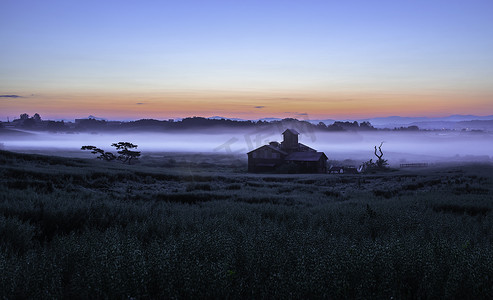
(246, 59)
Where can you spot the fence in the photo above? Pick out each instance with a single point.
(415, 165)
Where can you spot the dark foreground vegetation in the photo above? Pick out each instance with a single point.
(171, 228)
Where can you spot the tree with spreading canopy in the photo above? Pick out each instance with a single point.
(123, 149)
(126, 155)
(108, 156)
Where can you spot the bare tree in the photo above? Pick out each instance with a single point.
(381, 163)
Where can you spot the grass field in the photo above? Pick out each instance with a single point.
(199, 226)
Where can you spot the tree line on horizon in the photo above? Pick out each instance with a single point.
(92, 124)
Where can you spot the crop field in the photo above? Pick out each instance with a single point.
(199, 226)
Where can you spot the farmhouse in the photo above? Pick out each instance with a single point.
(287, 156)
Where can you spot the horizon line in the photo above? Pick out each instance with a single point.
(271, 118)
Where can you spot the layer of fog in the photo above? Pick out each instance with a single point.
(398, 147)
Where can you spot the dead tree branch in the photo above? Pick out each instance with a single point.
(380, 149)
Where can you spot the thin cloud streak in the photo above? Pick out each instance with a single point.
(10, 96)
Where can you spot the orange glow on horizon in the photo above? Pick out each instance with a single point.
(247, 105)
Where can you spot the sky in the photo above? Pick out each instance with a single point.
(245, 59)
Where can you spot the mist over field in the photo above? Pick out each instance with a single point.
(398, 147)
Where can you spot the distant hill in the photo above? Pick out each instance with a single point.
(96, 118)
(93, 124)
(269, 119)
(450, 122)
(223, 118)
(477, 125)
(13, 132)
(7, 134)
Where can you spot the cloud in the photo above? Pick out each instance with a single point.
(259, 106)
(296, 113)
(140, 103)
(10, 96)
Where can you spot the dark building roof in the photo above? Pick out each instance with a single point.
(305, 156)
(304, 147)
(291, 131)
(270, 147)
